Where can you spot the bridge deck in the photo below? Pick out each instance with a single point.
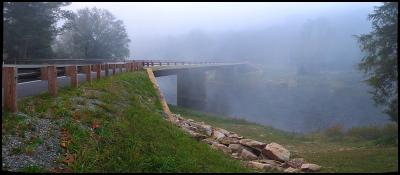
(179, 67)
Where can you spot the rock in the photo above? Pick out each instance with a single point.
(252, 143)
(217, 135)
(276, 152)
(207, 129)
(235, 136)
(202, 128)
(209, 141)
(309, 167)
(195, 135)
(247, 155)
(271, 162)
(228, 140)
(291, 170)
(198, 136)
(296, 162)
(258, 165)
(223, 131)
(221, 147)
(236, 147)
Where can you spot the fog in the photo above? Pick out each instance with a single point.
(304, 57)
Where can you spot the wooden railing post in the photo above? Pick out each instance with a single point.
(136, 66)
(52, 80)
(120, 68)
(10, 88)
(152, 63)
(113, 68)
(98, 71)
(43, 73)
(72, 73)
(106, 66)
(88, 71)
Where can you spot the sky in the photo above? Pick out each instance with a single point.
(174, 18)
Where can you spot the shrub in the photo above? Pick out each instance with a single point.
(386, 135)
(335, 131)
(370, 132)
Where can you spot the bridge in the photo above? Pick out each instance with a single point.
(21, 80)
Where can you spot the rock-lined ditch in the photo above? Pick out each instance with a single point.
(252, 153)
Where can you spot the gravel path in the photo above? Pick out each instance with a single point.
(43, 141)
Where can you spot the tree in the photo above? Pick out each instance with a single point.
(30, 28)
(380, 61)
(93, 34)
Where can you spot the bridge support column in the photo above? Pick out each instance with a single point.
(191, 89)
(10, 88)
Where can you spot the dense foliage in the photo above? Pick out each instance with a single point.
(93, 34)
(30, 28)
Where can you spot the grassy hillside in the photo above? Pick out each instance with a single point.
(114, 125)
(335, 154)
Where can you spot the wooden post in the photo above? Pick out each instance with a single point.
(72, 73)
(113, 68)
(43, 73)
(52, 80)
(136, 66)
(120, 67)
(98, 70)
(126, 67)
(152, 63)
(106, 66)
(10, 88)
(88, 71)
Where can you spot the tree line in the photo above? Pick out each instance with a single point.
(43, 30)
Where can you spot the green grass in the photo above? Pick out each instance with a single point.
(359, 150)
(132, 137)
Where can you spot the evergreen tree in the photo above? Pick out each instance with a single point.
(30, 28)
(380, 62)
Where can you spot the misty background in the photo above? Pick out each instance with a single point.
(304, 57)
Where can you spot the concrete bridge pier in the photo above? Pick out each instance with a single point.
(191, 87)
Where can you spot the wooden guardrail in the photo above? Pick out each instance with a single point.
(49, 73)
